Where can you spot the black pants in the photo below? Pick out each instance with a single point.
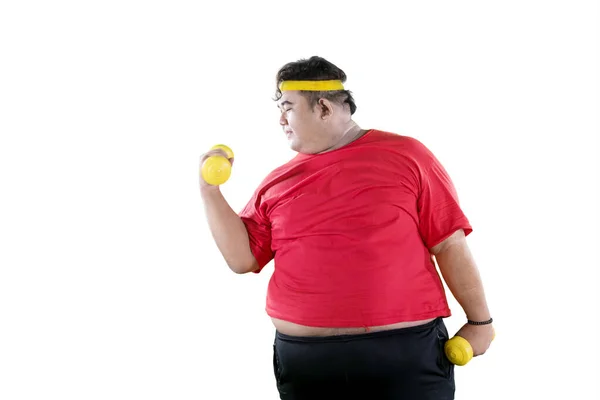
(400, 364)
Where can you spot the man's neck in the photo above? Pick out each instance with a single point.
(351, 133)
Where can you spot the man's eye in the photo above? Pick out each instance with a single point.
(289, 109)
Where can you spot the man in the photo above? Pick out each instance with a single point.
(353, 223)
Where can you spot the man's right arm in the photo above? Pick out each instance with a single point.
(228, 231)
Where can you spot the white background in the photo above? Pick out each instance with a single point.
(111, 286)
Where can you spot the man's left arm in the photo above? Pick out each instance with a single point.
(460, 272)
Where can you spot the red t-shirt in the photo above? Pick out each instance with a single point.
(349, 231)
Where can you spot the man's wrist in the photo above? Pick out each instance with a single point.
(209, 190)
(482, 322)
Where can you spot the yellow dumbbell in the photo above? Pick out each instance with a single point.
(459, 350)
(216, 170)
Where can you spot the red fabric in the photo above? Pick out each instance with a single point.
(349, 232)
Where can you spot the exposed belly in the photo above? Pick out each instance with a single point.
(292, 329)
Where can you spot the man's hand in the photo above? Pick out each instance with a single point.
(479, 336)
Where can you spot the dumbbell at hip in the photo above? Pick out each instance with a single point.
(216, 170)
(459, 350)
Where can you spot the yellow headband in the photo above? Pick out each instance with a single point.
(315, 86)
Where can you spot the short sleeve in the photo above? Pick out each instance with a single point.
(440, 214)
(259, 231)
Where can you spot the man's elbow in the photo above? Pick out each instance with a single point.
(244, 267)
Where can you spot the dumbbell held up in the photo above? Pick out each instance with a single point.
(216, 169)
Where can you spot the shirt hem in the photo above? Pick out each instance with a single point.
(350, 323)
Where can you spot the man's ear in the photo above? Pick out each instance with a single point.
(325, 108)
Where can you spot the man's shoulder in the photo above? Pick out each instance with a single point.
(277, 172)
(408, 144)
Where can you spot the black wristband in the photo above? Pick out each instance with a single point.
(489, 321)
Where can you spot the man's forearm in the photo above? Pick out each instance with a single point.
(461, 275)
(228, 231)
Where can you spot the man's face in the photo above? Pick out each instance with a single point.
(301, 123)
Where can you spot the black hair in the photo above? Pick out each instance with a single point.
(315, 68)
